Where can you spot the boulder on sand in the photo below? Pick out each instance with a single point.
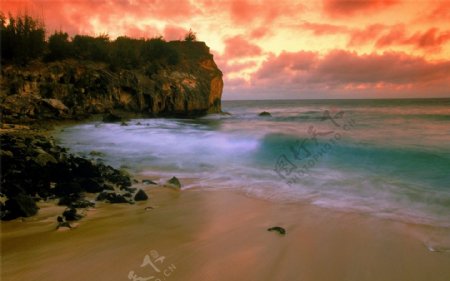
(174, 182)
(140, 196)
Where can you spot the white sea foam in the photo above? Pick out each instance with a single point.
(386, 166)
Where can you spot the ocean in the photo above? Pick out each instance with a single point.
(386, 158)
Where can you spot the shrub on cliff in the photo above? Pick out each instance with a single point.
(126, 52)
(158, 50)
(190, 36)
(22, 38)
(59, 46)
(91, 48)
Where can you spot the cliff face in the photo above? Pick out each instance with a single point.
(71, 88)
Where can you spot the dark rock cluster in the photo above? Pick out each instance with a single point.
(34, 168)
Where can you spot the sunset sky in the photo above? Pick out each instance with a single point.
(285, 49)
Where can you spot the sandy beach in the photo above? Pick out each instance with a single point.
(199, 234)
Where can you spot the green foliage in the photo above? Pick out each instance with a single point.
(160, 51)
(190, 36)
(126, 52)
(22, 38)
(91, 48)
(59, 46)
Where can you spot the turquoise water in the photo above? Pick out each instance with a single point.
(389, 158)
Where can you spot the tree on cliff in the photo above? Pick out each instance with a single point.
(126, 52)
(91, 48)
(59, 46)
(159, 51)
(22, 38)
(190, 36)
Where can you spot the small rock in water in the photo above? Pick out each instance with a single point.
(140, 196)
(174, 181)
(148, 208)
(124, 124)
(279, 229)
(148, 182)
(265, 113)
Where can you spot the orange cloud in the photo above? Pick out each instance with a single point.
(245, 12)
(338, 8)
(172, 32)
(265, 45)
(432, 38)
(324, 28)
(302, 73)
(239, 47)
(367, 34)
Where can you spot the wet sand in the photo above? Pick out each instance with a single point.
(215, 235)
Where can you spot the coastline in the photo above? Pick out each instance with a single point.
(216, 235)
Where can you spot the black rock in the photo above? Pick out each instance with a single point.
(108, 187)
(69, 188)
(2, 210)
(265, 113)
(112, 197)
(174, 181)
(91, 185)
(62, 222)
(84, 168)
(75, 203)
(140, 196)
(148, 182)
(279, 229)
(128, 189)
(69, 200)
(71, 214)
(19, 206)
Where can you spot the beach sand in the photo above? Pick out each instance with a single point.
(199, 234)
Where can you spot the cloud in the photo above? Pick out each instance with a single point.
(286, 65)
(260, 32)
(239, 47)
(302, 73)
(230, 68)
(96, 16)
(172, 32)
(337, 8)
(365, 35)
(440, 13)
(343, 67)
(245, 12)
(431, 38)
(324, 28)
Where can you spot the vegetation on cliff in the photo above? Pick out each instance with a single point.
(23, 40)
(74, 77)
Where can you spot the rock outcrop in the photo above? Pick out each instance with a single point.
(34, 168)
(76, 89)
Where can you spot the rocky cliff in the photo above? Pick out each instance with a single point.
(75, 89)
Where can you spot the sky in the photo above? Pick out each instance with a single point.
(285, 49)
